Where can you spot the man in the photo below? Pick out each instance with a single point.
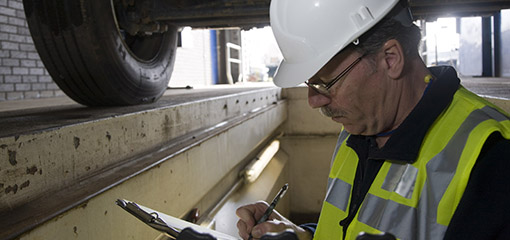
(420, 157)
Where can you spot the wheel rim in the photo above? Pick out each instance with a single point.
(143, 47)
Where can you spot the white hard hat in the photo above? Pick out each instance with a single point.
(311, 32)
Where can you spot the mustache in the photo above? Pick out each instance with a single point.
(329, 112)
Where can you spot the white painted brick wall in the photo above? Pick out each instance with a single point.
(22, 73)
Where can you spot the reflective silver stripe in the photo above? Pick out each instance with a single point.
(401, 179)
(338, 193)
(493, 113)
(406, 222)
(406, 185)
(341, 139)
(393, 176)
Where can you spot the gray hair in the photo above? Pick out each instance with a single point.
(408, 36)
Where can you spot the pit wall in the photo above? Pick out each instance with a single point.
(309, 141)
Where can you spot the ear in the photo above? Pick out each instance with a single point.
(393, 58)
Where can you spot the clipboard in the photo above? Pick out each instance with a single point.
(167, 224)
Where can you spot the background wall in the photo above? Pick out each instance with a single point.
(193, 61)
(22, 73)
(309, 141)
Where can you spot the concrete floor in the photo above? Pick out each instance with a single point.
(488, 87)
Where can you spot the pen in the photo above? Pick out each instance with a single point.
(271, 207)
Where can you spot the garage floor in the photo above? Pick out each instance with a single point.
(35, 114)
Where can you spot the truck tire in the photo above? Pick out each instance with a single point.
(95, 62)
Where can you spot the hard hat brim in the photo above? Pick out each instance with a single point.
(292, 74)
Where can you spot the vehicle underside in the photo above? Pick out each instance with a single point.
(122, 52)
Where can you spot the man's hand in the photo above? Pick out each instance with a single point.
(251, 213)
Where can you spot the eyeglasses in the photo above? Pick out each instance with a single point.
(323, 88)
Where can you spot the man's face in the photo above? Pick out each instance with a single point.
(360, 100)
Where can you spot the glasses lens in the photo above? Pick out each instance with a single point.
(319, 88)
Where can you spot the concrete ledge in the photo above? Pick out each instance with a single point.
(70, 172)
(45, 151)
(502, 103)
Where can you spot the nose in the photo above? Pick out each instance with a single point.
(317, 100)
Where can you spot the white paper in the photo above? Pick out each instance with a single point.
(181, 224)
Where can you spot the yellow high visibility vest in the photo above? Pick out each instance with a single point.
(418, 200)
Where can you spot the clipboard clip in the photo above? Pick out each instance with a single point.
(151, 219)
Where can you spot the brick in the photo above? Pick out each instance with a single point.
(6, 87)
(38, 86)
(10, 62)
(22, 87)
(3, 2)
(4, 19)
(24, 31)
(52, 86)
(19, 54)
(47, 94)
(29, 79)
(17, 38)
(33, 55)
(40, 64)
(19, 70)
(4, 36)
(8, 28)
(7, 11)
(59, 93)
(32, 94)
(10, 46)
(45, 79)
(12, 79)
(17, 21)
(3, 96)
(27, 47)
(28, 63)
(21, 14)
(14, 95)
(5, 54)
(5, 70)
(15, 4)
(36, 71)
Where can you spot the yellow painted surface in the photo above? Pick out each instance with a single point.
(303, 120)
(309, 141)
(33, 164)
(265, 188)
(502, 103)
(173, 187)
